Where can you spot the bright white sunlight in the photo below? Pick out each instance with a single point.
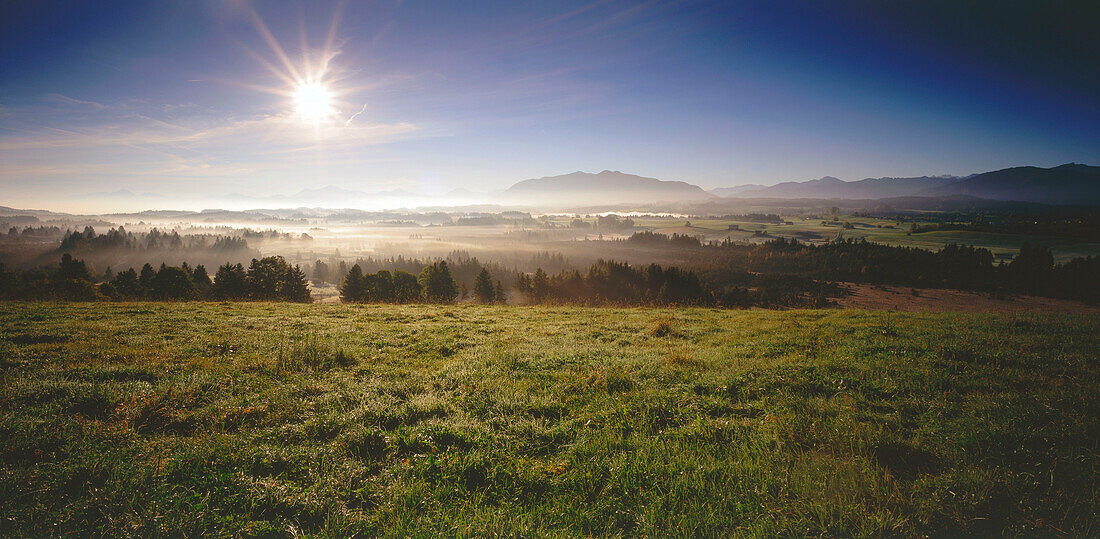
(594, 268)
(313, 101)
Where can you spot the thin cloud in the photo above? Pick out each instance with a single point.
(66, 100)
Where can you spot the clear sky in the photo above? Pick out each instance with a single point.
(182, 97)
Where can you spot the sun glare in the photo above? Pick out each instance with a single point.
(313, 101)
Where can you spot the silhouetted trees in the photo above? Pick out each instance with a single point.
(229, 282)
(615, 283)
(437, 284)
(353, 289)
(380, 287)
(406, 288)
(172, 283)
(73, 280)
(201, 280)
(774, 273)
(294, 287)
(271, 278)
(483, 287)
(126, 285)
(1030, 270)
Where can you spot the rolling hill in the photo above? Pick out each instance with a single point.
(1066, 184)
(830, 187)
(1071, 183)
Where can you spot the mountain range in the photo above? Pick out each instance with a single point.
(830, 187)
(1071, 183)
(1066, 184)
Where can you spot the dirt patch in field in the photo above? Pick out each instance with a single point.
(899, 298)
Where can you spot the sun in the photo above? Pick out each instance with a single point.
(313, 101)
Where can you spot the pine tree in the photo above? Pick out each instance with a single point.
(437, 284)
(145, 279)
(294, 287)
(201, 280)
(265, 277)
(351, 289)
(483, 287)
(229, 282)
(540, 286)
(172, 282)
(406, 289)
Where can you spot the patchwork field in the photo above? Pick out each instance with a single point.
(884, 231)
(140, 419)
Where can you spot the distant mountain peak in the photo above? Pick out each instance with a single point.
(1071, 183)
(605, 187)
(831, 187)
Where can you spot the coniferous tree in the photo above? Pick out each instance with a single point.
(523, 285)
(294, 287)
(229, 282)
(201, 280)
(265, 277)
(437, 284)
(320, 272)
(540, 286)
(71, 269)
(406, 289)
(126, 284)
(352, 288)
(383, 290)
(172, 282)
(145, 279)
(483, 287)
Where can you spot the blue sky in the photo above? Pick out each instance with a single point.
(183, 97)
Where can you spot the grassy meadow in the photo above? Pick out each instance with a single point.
(264, 419)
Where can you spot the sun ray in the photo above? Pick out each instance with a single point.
(290, 81)
(313, 89)
(275, 47)
(330, 39)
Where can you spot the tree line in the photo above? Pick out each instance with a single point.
(268, 278)
(604, 283)
(726, 264)
(155, 239)
(434, 284)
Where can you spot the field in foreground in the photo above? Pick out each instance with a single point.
(269, 419)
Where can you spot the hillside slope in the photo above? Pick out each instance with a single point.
(1066, 184)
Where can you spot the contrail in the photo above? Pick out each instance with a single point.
(348, 123)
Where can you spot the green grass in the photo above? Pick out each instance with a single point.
(273, 419)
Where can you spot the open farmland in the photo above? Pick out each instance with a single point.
(271, 419)
(885, 231)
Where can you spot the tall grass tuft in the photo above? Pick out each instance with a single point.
(309, 352)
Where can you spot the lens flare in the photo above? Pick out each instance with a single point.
(313, 101)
